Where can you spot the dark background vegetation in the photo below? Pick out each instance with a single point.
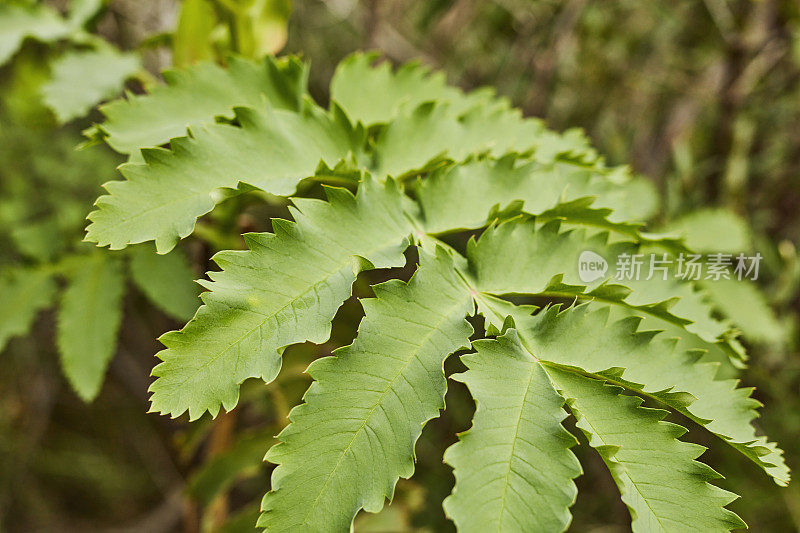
(703, 97)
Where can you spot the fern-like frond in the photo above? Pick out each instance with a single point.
(513, 468)
(354, 436)
(273, 149)
(270, 149)
(285, 289)
(518, 257)
(197, 95)
(434, 161)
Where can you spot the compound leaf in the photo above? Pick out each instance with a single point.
(479, 164)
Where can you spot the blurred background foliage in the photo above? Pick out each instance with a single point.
(703, 97)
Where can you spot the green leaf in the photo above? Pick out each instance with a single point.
(270, 149)
(427, 118)
(430, 132)
(484, 188)
(521, 257)
(633, 359)
(195, 96)
(88, 320)
(662, 484)
(81, 79)
(23, 293)
(167, 280)
(513, 468)
(747, 308)
(685, 300)
(354, 436)
(390, 92)
(712, 230)
(274, 149)
(284, 290)
(18, 23)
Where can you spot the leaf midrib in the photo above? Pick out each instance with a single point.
(624, 469)
(327, 276)
(514, 444)
(357, 432)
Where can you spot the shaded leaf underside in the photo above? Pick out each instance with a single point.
(634, 359)
(514, 469)
(663, 486)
